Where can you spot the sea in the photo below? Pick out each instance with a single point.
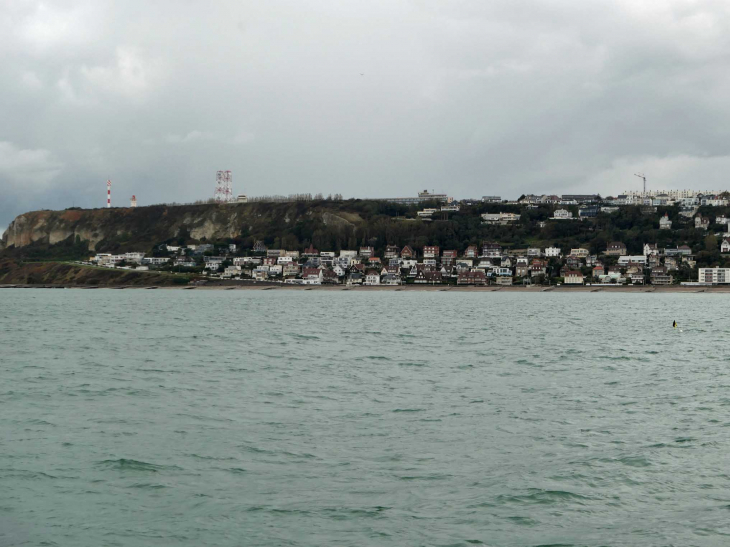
(363, 418)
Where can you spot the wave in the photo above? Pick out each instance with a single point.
(126, 464)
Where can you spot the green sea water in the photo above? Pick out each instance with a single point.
(311, 418)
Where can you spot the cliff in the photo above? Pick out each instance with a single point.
(123, 229)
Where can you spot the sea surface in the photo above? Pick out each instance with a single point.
(313, 418)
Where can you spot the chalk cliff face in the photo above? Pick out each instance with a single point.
(138, 228)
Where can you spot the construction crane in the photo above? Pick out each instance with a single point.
(641, 176)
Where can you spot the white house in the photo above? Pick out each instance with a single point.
(134, 257)
(372, 278)
(636, 259)
(553, 252)
(562, 214)
(665, 223)
(650, 249)
(725, 246)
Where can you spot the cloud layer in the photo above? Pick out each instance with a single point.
(367, 99)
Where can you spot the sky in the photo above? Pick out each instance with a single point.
(368, 99)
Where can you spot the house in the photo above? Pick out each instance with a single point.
(339, 270)
(702, 223)
(268, 260)
(391, 279)
(475, 277)
(534, 252)
(631, 259)
(553, 252)
(407, 252)
(579, 253)
(471, 252)
(598, 270)
(573, 277)
(355, 278)
(493, 250)
(650, 249)
(284, 260)
(134, 257)
(430, 251)
(232, 271)
(391, 251)
(538, 267)
(573, 262)
(679, 251)
(665, 223)
(522, 270)
(562, 214)
(329, 277)
(725, 246)
(312, 275)
(291, 270)
(372, 277)
(661, 276)
(428, 277)
(670, 263)
(504, 280)
(367, 252)
(275, 252)
(260, 275)
(374, 261)
(588, 212)
(276, 269)
(349, 255)
(616, 248)
(506, 262)
(448, 258)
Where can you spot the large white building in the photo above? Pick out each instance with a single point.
(714, 275)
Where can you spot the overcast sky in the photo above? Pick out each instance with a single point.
(369, 98)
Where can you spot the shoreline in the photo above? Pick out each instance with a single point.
(263, 286)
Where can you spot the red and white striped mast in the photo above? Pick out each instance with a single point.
(108, 194)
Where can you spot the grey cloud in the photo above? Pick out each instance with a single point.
(365, 99)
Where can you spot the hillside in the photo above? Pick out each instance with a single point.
(329, 225)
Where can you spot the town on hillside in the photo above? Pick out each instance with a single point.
(704, 258)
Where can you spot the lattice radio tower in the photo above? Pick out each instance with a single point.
(223, 186)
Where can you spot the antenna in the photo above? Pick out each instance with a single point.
(641, 176)
(223, 187)
(108, 194)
